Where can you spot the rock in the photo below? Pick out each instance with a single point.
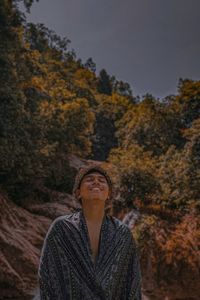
(21, 238)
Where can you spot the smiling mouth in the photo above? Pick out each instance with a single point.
(95, 189)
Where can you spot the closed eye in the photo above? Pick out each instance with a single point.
(91, 178)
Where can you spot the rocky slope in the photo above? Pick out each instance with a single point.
(21, 237)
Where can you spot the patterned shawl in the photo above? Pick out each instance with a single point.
(67, 271)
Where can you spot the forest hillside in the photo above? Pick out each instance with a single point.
(56, 114)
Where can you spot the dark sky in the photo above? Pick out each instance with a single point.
(148, 43)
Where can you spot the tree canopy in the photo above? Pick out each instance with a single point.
(52, 104)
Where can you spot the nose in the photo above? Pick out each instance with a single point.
(96, 181)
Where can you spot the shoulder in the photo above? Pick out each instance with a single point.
(119, 225)
(61, 222)
(123, 230)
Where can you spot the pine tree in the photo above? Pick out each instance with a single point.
(104, 84)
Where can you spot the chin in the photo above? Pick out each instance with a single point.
(97, 199)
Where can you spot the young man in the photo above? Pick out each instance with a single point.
(89, 255)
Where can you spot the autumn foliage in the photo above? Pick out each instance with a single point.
(52, 104)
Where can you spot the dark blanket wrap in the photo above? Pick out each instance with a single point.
(67, 270)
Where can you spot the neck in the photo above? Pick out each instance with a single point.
(93, 213)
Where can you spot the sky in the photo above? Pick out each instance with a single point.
(148, 43)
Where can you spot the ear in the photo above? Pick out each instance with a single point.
(77, 193)
(109, 193)
(78, 196)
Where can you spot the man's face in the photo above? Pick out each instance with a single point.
(94, 186)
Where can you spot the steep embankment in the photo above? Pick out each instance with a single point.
(21, 237)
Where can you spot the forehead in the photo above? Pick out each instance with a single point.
(94, 174)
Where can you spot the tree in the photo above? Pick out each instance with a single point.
(137, 173)
(110, 109)
(13, 137)
(120, 87)
(27, 3)
(90, 65)
(150, 125)
(104, 84)
(41, 118)
(104, 137)
(187, 103)
(179, 171)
